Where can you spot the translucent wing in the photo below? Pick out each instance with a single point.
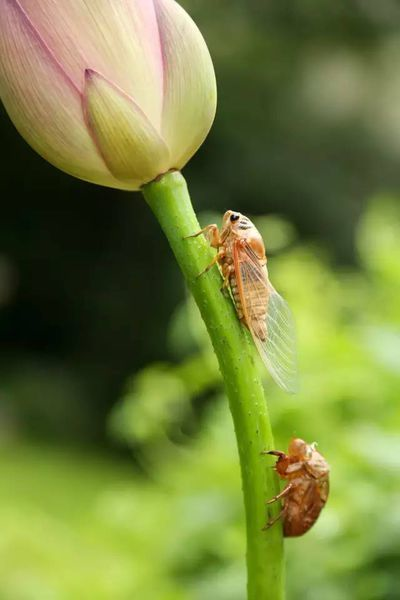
(268, 318)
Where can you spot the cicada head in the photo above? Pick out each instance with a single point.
(231, 219)
(235, 221)
(243, 229)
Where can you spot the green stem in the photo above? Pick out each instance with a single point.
(169, 200)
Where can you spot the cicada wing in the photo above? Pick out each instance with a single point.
(276, 338)
(279, 348)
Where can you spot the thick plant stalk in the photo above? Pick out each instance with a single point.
(169, 200)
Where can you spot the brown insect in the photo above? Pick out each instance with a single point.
(241, 256)
(306, 493)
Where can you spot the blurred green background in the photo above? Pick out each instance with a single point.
(118, 464)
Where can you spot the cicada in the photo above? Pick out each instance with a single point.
(241, 256)
(306, 493)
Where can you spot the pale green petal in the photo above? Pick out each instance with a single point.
(189, 82)
(128, 142)
(42, 102)
(117, 38)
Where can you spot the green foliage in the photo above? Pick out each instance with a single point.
(78, 526)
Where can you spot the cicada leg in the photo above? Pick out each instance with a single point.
(274, 453)
(212, 234)
(217, 258)
(281, 494)
(274, 520)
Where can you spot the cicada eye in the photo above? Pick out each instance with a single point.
(234, 217)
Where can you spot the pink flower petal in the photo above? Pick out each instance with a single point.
(42, 101)
(118, 38)
(189, 82)
(130, 145)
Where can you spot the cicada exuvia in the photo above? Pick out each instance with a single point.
(241, 256)
(306, 492)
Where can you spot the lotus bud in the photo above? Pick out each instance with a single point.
(111, 91)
